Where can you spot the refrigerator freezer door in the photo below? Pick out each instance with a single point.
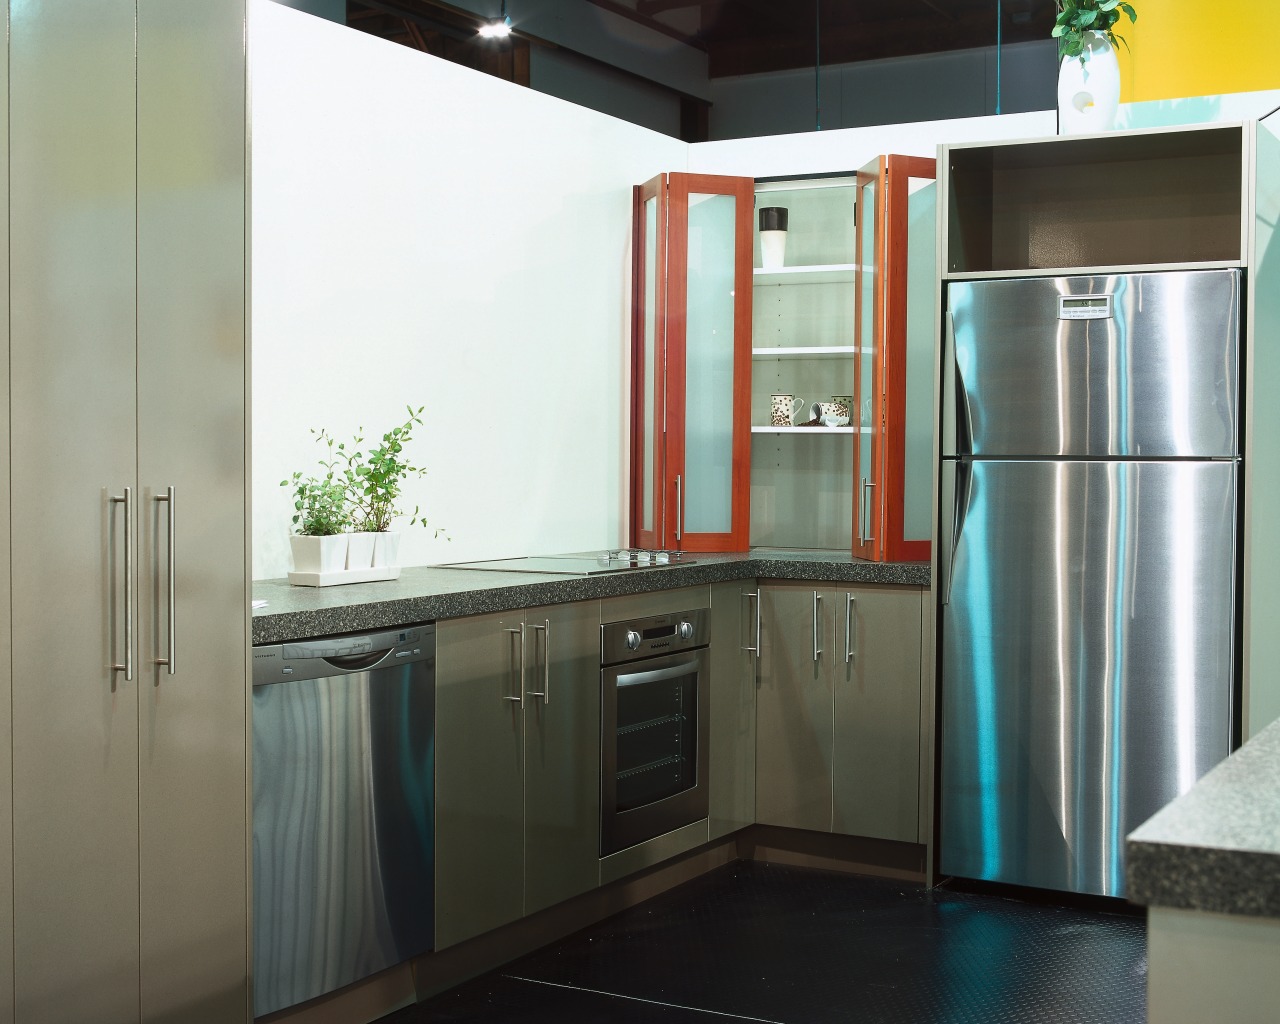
(1040, 372)
(1087, 656)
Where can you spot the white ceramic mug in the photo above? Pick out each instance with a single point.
(783, 409)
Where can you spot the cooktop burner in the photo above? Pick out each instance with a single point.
(585, 563)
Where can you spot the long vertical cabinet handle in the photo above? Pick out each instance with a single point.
(753, 596)
(520, 699)
(679, 509)
(850, 633)
(868, 537)
(127, 665)
(545, 692)
(817, 598)
(172, 658)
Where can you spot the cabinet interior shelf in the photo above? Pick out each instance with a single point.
(805, 430)
(827, 351)
(827, 273)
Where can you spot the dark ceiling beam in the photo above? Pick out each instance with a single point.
(849, 44)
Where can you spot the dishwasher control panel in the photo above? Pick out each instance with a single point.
(338, 655)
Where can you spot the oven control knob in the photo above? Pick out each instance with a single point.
(686, 631)
(633, 639)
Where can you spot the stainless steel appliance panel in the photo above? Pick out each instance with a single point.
(343, 811)
(1131, 366)
(1087, 654)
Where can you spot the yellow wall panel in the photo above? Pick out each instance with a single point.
(1180, 48)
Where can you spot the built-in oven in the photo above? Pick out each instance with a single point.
(654, 700)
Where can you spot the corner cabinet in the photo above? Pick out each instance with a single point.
(838, 709)
(129, 628)
(691, 363)
(517, 765)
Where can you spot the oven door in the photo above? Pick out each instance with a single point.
(654, 730)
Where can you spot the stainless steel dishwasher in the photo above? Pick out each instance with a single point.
(343, 810)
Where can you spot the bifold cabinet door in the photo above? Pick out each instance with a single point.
(691, 363)
(72, 313)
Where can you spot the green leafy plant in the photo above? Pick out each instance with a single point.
(1076, 17)
(374, 479)
(320, 505)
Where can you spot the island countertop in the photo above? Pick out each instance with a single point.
(426, 593)
(1217, 847)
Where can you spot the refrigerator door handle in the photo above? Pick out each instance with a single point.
(957, 429)
(955, 507)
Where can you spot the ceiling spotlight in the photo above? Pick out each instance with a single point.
(497, 28)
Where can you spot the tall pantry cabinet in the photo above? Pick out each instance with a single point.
(128, 534)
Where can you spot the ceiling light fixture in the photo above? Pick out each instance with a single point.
(497, 28)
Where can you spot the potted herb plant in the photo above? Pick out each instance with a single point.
(1089, 74)
(321, 517)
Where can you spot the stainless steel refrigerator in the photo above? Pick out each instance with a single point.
(1087, 576)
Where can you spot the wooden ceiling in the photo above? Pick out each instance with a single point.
(740, 37)
(744, 37)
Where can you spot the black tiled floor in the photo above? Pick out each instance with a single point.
(768, 943)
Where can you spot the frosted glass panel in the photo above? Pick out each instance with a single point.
(650, 362)
(922, 292)
(708, 458)
(868, 401)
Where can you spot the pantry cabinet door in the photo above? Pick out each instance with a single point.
(192, 436)
(794, 709)
(877, 712)
(562, 753)
(480, 687)
(735, 609)
(648, 361)
(72, 358)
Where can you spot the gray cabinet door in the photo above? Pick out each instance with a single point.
(794, 709)
(192, 436)
(562, 753)
(732, 780)
(72, 314)
(479, 776)
(876, 774)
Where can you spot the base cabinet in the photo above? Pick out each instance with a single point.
(732, 779)
(517, 765)
(838, 710)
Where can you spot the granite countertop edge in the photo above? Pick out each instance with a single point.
(1217, 847)
(425, 593)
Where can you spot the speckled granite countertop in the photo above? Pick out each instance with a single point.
(425, 593)
(1217, 847)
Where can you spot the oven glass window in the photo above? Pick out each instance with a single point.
(657, 739)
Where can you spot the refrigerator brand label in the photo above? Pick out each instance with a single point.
(1085, 307)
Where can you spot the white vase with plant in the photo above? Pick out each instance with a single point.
(1089, 73)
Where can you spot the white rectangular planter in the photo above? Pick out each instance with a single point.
(319, 554)
(360, 547)
(386, 548)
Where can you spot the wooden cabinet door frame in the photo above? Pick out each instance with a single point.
(654, 190)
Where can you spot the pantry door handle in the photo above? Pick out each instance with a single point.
(756, 598)
(679, 509)
(520, 633)
(171, 660)
(127, 666)
(816, 649)
(850, 633)
(545, 692)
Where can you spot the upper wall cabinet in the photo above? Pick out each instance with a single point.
(1120, 200)
(691, 363)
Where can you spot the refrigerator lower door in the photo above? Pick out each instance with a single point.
(1087, 660)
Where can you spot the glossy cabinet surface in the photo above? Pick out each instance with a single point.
(838, 710)
(734, 618)
(517, 774)
(127, 359)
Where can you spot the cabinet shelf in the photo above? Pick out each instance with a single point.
(806, 430)
(821, 351)
(823, 273)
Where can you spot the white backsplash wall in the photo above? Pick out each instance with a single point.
(427, 235)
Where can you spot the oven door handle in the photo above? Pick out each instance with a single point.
(656, 675)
